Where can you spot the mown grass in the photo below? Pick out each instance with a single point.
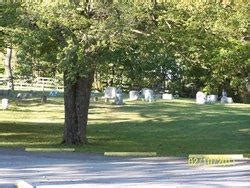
(174, 128)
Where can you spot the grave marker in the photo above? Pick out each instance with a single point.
(119, 99)
(110, 93)
(5, 103)
(212, 98)
(167, 96)
(148, 95)
(201, 97)
(133, 95)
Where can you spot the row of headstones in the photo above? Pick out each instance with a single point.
(145, 94)
(52, 93)
(203, 98)
(149, 95)
(116, 94)
(25, 95)
(19, 96)
(22, 96)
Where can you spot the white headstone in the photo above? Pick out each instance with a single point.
(201, 97)
(110, 93)
(133, 95)
(212, 98)
(148, 95)
(119, 99)
(229, 100)
(5, 103)
(223, 99)
(167, 96)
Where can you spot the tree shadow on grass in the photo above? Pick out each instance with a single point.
(174, 138)
(28, 134)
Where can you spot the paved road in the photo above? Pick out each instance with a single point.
(90, 170)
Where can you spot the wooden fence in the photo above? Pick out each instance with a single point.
(38, 84)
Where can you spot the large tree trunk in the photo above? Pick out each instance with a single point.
(76, 102)
(8, 69)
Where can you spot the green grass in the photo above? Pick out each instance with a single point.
(175, 128)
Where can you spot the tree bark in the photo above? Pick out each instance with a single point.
(76, 102)
(8, 69)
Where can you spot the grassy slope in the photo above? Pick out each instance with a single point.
(175, 128)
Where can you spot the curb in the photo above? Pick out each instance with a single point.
(50, 149)
(130, 154)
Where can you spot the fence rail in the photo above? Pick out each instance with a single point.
(39, 84)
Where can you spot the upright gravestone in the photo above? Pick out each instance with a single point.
(224, 97)
(212, 98)
(148, 95)
(5, 103)
(229, 100)
(201, 97)
(110, 93)
(119, 99)
(113, 93)
(133, 95)
(167, 96)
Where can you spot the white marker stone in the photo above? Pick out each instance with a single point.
(133, 95)
(167, 96)
(212, 98)
(5, 103)
(201, 97)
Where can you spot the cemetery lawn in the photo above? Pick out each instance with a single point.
(170, 128)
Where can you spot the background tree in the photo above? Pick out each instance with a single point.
(8, 25)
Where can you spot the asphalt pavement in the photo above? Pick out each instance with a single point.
(51, 170)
